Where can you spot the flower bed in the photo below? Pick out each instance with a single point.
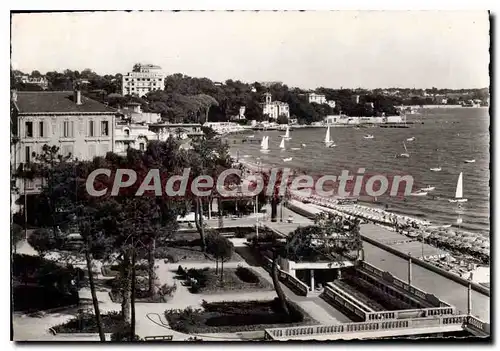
(114, 270)
(85, 323)
(236, 316)
(206, 281)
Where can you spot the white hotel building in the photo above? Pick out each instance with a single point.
(142, 80)
(274, 109)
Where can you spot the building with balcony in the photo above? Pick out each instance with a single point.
(42, 82)
(317, 98)
(274, 109)
(79, 126)
(142, 80)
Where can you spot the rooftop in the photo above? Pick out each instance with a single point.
(57, 102)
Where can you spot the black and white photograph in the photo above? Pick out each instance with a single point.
(221, 176)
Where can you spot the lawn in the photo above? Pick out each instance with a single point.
(208, 282)
(185, 247)
(236, 316)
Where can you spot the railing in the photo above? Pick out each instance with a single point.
(333, 330)
(287, 279)
(411, 313)
(330, 287)
(339, 298)
(386, 276)
(477, 324)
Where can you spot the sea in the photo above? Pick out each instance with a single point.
(444, 137)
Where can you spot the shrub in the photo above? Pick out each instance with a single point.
(124, 335)
(247, 275)
(181, 272)
(167, 290)
(85, 322)
(161, 252)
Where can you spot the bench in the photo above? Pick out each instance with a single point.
(159, 338)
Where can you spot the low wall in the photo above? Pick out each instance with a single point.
(477, 287)
(290, 281)
(335, 296)
(80, 337)
(337, 330)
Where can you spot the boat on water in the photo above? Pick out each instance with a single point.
(368, 136)
(411, 139)
(287, 134)
(288, 159)
(328, 141)
(470, 161)
(282, 144)
(295, 148)
(438, 168)
(405, 154)
(264, 145)
(428, 188)
(459, 191)
(303, 145)
(419, 193)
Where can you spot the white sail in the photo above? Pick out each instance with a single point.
(327, 136)
(459, 193)
(265, 143)
(287, 133)
(459, 220)
(282, 144)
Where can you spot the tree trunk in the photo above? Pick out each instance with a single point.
(274, 209)
(132, 299)
(95, 301)
(222, 270)
(151, 268)
(126, 286)
(216, 265)
(277, 286)
(198, 218)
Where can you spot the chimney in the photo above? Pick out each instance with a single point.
(78, 96)
(13, 96)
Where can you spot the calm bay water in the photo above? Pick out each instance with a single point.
(457, 134)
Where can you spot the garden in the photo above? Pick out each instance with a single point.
(209, 281)
(236, 316)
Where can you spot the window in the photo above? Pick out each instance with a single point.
(27, 156)
(29, 129)
(141, 146)
(104, 128)
(66, 132)
(91, 128)
(127, 132)
(41, 129)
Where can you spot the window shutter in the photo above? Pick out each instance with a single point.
(72, 129)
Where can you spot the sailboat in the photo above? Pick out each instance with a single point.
(410, 139)
(287, 159)
(295, 148)
(368, 136)
(287, 133)
(459, 192)
(264, 146)
(419, 193)
(405, 154)
(471, 160)
(428, 188)
(438, 168)
(328, 141)
(282, 144)
(303, 145)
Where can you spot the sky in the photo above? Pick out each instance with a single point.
(350, 49)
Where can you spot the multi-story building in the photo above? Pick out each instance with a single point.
(142, 80)
(79, 126)
(42, 82)
(274, 109)
(317, 98)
